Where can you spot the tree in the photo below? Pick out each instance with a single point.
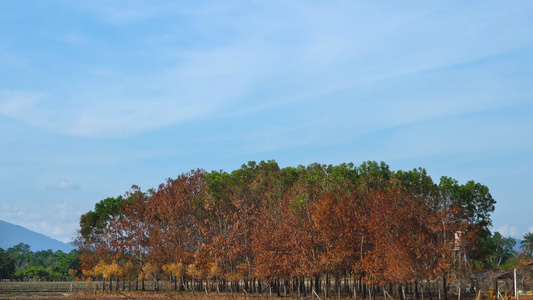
(97, 231)
(261, 223)
(174, 269)
(21, 254)
(7, 264)
(95, 223)
(132, 242)
(477, 202)
(339, 220)
(36, 272)
(527, 243)
(111, 271)
(66, 261)
(473, 205)
(174, 233)
(495, 250)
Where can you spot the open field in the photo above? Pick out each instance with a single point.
(82, 290)
(36, 289)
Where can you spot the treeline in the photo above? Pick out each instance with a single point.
(19, 262)
(345, 228)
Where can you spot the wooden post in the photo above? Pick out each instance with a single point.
(515, 286)
(314, 293)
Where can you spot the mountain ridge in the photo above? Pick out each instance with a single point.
(12, 235)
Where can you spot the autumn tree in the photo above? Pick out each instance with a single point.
(288, 227)
(133, 239)
(97, 231)
(174, 230)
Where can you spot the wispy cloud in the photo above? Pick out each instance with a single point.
(275, 63)
(9, 212)
(16, 103)
(61, 223)
(63, 185)
(143, 84)
(73, 38)
(507, 230)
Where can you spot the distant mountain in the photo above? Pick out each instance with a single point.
(11, 235)
(517, 246)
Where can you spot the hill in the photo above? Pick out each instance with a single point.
(11, 235)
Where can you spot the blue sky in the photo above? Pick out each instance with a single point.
(96, 96)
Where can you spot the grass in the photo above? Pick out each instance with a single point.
(83, 290)
(33, 290)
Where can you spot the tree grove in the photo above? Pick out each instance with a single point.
(298, 229)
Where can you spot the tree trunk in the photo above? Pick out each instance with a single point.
(326, 286)
(303, 286)
(445, 291)
(416, 290)
(278, 289)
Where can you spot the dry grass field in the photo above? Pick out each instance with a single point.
(72, 290)
(35, 290)
(83, 290)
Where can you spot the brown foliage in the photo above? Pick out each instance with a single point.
(271, 223)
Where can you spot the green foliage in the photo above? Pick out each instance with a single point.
(418, 182)
(7, 264)
(527, 243)
(95, 222)
(44, 264)
(375, 175)
(221, 216)
(478, 203)
(474, 200)
(496, 251)
(36, 272)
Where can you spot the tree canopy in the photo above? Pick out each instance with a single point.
(21, 263)
(266, 222)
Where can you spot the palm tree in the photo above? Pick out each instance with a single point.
(527, 243)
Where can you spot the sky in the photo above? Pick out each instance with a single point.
(96, 96)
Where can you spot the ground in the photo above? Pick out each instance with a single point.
(72, 290)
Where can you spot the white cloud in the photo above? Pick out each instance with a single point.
(8, 212)
(315, 52)
(61, 223)
(16, 103)
(62, 210)
(507, 230)
(63, 184)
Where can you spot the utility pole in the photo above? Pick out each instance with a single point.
(515, 286)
